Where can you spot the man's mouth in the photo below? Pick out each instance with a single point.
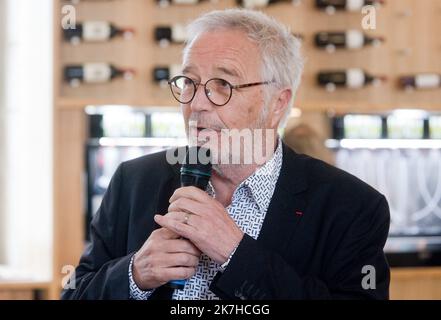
(205, 134)
(200, 129)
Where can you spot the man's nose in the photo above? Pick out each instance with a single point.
(200, 101)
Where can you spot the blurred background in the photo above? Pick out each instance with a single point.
(83, 87)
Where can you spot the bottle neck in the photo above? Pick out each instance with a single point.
(115, 72)
(369, 40)
(114, 31)
(368, 79)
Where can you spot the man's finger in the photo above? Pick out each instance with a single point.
(180, 216)
(187, 205)
(193, 193)
(184, 230)
(178, 260)
(181, 246)
(176, 273)
(167, 234)
(187, 218)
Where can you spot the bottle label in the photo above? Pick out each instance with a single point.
(179, 33)
(354, 5)
(355, 78)
(427, 81)
(251, 4)
(96, 31)
(354, 39)
(97, 72)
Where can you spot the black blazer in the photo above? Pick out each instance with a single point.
(323, 226)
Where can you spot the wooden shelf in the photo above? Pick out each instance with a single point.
(26, 290)
(24, 285)
(78, 103)
(415, 283)
(363, 107)
(313, 106)
(406, 273)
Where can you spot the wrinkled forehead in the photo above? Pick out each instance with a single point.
(230, 49)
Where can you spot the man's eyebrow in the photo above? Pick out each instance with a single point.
(230, 72)
(187, 69)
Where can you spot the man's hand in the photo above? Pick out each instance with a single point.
(164, 257)
(196, 216)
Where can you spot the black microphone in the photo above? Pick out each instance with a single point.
(195, 171)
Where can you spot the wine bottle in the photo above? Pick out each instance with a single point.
(161, 74)
(421, 81)
(165, 35)
(349, 5)
(253, 4)
(353, 78)
(94, 73)
(95, 31)
(349, 39)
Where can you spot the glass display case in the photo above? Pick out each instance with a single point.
(119, 133)
(399, 154)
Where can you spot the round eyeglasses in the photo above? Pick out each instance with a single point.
(218, 91)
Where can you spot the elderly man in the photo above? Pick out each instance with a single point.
(287, 227)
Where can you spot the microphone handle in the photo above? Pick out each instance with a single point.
(180, 284)
(190, 178)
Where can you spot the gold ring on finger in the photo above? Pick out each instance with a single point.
(186, 217)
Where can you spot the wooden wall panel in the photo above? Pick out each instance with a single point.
(412, 45)
(415, 284)
(16, 295)
(69, 186)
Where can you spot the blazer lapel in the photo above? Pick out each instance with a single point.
(288, 204)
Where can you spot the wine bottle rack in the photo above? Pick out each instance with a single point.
(410, 47)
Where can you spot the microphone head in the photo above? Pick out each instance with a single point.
(196, 169)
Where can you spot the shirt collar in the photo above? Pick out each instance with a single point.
(262, 182)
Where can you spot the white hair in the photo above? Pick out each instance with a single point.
(282, 61)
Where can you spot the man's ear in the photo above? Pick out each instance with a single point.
(280, 105)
